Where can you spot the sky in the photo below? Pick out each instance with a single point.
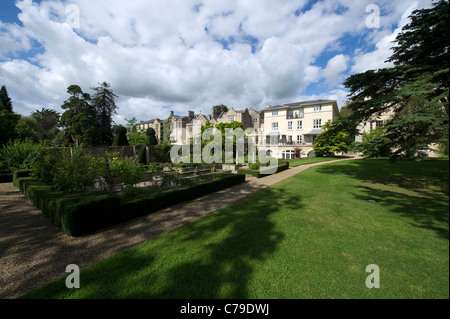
(180, 55)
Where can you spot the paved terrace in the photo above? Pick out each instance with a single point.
(33, 251)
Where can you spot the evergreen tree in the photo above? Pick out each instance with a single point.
(416, 89)
(8, 123)
(105, 106)
(79, 120)
(47, 123)
(5, 100)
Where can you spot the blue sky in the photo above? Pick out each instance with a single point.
(192, 54)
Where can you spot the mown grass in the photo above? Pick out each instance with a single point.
(310, 160)
(310, 236)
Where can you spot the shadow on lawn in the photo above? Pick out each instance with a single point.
(232, 241)
(428, 179)
(225, 246)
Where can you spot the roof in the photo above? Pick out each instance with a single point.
(145, 122)
(314, 132)
(297, 104)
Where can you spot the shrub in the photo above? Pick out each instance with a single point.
(255, 166)
(19, 155)
(162, 152)
(44, 163)
(120, 137)
(259, 171)
(151, 133)
(79, 214)
(74, 172)
(129, 171)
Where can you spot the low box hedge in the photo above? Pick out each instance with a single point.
(79, 214)
(282, 165)
(20, 173)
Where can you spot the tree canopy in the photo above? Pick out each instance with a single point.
(331, 141)
(416, 88)
(80, 118)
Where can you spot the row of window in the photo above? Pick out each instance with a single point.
(317, 123)
(146, 126)
(274, 140)
(317, 108)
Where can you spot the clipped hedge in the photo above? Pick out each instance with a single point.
(282, 165)
(79, 214)
(20, 173)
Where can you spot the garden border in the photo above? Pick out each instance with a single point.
(83, 213)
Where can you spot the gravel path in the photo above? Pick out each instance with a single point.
(33, 251)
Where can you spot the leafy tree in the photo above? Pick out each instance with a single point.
(26, 129)
(80, 118)
(131, 124)
(105, 106)
(374, 143)
(416, 89)
(5, 100)
(137, 138)
(331, 141)
(151, 133)
(47, 123)
(120, 136)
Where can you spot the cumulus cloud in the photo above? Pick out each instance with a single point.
(187, 54)
(333, 71)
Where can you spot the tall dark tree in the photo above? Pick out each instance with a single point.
(80, 119)
(8, 123)
(6, 103)
(105, 106)
(416, 89)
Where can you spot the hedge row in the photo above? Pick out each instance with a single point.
(282, 165)
(79, 214)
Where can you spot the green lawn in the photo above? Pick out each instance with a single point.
(310, 236)
(310, 160)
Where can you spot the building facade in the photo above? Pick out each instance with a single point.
(290, 129)
(286, 130)
(155, 124)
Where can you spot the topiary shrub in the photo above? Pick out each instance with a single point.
(120, 136)
(151, 133)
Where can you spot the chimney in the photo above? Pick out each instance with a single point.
(191, 115)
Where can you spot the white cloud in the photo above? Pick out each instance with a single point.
(383, 41)
(161, 55)
(334, 69)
